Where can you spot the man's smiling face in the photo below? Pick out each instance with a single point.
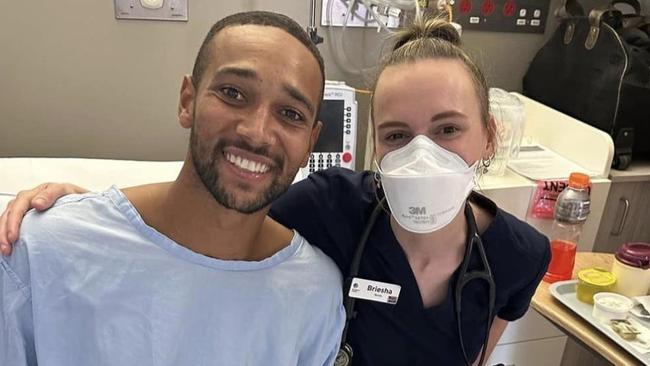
(253, 115)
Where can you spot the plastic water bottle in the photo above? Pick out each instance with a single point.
(571, 211)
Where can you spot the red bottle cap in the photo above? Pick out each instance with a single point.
(635, 254)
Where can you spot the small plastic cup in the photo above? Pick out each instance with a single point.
(609, 306)
(592, 281)
(563, 256)
(508, 113)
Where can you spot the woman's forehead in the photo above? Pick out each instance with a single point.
(425, 84)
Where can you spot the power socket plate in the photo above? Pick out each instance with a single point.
(174, 10)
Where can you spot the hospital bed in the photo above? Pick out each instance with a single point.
(95, 174)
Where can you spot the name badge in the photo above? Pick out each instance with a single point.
(374, 291)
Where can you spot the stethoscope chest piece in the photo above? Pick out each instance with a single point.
(344, 357)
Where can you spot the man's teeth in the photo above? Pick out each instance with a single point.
(247, 164)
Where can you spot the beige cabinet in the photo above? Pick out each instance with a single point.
(627, 212)
(533, 340)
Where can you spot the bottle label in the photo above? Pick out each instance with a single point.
(572, 211)
(545, 197)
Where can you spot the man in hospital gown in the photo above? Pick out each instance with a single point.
(190, 272)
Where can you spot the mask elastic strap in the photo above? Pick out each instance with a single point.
(377, 189)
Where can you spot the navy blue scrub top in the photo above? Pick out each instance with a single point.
(330, 209)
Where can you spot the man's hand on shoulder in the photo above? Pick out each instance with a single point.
(40, 198)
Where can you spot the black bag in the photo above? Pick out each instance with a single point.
(596, 69)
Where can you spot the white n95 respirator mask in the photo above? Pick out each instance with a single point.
(425, 185)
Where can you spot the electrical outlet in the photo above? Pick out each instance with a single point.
(175, 10)
(152, 4)
(360, 16)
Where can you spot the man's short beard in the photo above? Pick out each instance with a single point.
(205, 167)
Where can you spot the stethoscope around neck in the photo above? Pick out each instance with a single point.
(465, 276)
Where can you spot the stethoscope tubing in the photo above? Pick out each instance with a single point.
(473, 239)
(348, 302)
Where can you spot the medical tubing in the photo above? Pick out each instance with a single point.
(372, 11)
(401, 4)
(312, 13)
(339, 52)
(349, 301)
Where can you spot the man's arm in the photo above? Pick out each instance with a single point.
(16, 324)
(322, 313)
(325, 341)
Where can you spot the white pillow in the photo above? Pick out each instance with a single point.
(4, 200)
(94, 174)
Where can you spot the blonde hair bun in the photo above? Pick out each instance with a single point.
(433, 28)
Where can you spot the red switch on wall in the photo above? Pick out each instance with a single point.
(487, 7)
(465, 6)
(509, 8)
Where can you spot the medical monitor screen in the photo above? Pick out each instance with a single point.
(331, 135)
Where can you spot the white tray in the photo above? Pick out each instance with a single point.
(565, 292)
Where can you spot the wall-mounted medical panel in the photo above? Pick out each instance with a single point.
(517, 16)
(174, 10)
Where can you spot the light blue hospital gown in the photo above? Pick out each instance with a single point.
(90, 284)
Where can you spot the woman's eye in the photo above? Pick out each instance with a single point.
(395, 136)
(232, 93)
(448, 130)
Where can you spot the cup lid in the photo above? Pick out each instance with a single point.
(635, 254)
(597, 277)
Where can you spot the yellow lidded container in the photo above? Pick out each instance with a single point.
(592, 281)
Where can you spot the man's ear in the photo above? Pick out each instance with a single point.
(315, 132)
(186, 102)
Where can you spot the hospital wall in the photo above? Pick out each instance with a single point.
(74, 81)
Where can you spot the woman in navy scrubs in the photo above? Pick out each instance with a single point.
(431, 125)
(427, 87)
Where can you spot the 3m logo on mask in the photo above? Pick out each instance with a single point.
(418, 210)
(418, 215)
